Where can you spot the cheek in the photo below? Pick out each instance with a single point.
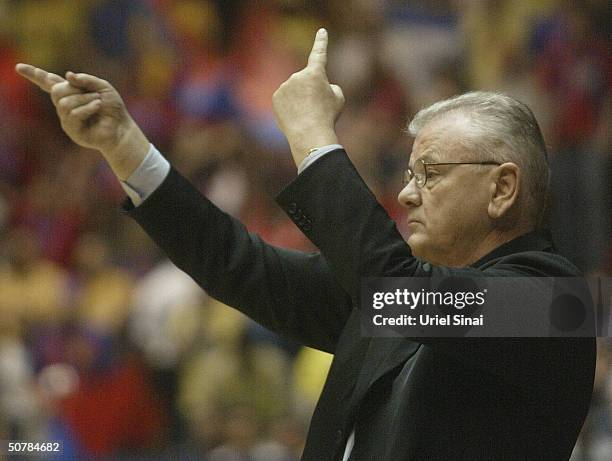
(448, 218)
(426, 238)
(445, 222)
(438, 213)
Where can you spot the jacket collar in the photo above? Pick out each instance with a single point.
(540, 240)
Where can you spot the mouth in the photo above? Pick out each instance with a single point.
(413, 221)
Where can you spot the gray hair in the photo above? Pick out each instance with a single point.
(503, 130)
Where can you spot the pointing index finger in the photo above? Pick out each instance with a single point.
(41, 78)
(318, 55)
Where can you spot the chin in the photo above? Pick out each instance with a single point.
(422, 248)
(418, 244)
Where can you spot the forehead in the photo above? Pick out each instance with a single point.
(439, 139)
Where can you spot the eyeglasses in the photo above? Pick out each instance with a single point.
(419, 172)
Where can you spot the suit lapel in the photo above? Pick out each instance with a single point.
(362, 362)
(382, 356)
(332, 411)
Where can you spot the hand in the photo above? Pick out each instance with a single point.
(93, 115)
(307, 105)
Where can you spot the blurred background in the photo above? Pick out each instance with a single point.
(107, 347)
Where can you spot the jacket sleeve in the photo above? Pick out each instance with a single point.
(292, 293)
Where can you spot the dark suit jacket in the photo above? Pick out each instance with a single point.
(422, 399)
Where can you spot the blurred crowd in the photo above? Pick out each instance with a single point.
(106, 346)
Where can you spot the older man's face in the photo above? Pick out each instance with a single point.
(447, 218)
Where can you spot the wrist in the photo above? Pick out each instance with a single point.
(129, 152)
(302, 146)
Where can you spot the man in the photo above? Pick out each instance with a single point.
(475, 189)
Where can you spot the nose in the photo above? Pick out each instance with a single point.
(410, 195)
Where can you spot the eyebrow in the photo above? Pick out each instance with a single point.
(428, 157)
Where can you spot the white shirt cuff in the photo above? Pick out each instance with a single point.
(147, 177)
(320, 152)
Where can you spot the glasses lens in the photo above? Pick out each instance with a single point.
(419, 173)
(408, 175)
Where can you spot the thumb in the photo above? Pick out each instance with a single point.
(338, 93)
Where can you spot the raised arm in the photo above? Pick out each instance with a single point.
(292, 293)
(363, 240)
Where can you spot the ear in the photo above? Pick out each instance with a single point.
(505, 188)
